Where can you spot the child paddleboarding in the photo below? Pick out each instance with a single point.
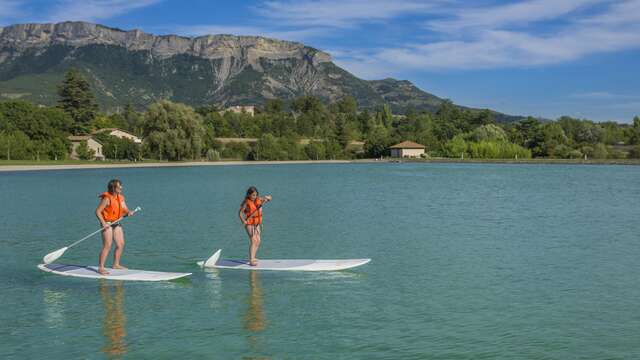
(251, 216)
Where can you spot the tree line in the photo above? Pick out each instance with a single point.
(174, 131)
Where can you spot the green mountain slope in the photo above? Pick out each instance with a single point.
(135, 67)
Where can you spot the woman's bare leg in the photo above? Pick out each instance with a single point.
(118, 236)
(107, 236)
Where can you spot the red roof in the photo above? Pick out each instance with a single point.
(408, 145)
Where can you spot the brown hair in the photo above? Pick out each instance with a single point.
(111, 186)
(251, 190)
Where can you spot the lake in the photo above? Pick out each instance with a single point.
(469, 261)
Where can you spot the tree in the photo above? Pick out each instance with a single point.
(635, 133)
(110, 121)
(267, 148)
(207, 109)
(333, 150)
(348, 105)
(274, 106)
(132, 118)
(600, 151)
(117, 148)
(589, 132)
(377, 143)
(36, 123)
(14, 145)
(77, 100)
(384, 116)
(456, 147)
(497, 150)
(173, 131)
(553, 135)
(58, 149)
(308, 104)
(451, 115)
(315, 150)
(290, 149)
(488, 132)
(238, 150)
(484, 117)
(84, 152)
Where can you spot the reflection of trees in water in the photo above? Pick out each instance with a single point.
(114, 319)
(254, 320)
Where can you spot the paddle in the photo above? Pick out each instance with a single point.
(53, 256)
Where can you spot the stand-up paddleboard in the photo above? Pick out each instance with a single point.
(114, 274)
(283, 265)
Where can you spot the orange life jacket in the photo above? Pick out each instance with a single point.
(250, 208)
(115, 210)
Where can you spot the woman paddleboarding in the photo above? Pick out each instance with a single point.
(112, 208)
(251, 216)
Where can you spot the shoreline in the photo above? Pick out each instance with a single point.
(48, 167)
(36, 167)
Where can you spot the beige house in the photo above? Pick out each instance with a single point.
(120, 133)
(407, 149)
(239, 109)
(92, 143)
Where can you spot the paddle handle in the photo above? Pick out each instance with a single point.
(102, 228)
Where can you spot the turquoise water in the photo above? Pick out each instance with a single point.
(470, 261)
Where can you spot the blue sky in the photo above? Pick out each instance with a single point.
(539, 57)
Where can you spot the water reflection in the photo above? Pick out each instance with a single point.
(113, 327)
(213, 287)
(255, 321)
(54, 307)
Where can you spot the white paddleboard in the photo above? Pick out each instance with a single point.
(114, 274)
(282, 265)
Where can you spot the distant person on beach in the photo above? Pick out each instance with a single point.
(251, 216)
(111, 209)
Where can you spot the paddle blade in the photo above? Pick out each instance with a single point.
(51, 257)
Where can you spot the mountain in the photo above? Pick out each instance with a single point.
(133, 66)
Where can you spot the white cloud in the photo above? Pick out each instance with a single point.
(603, 95)
(506, 48)
(93, 10)
(519, 14)
(342, 13)
(625, 12)
(605, 29)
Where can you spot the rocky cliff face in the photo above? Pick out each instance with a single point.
(79, 34)
(231, 55)
(136, 67)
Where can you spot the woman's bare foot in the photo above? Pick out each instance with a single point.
(119, 267)
(253, 262)
(103, 271)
